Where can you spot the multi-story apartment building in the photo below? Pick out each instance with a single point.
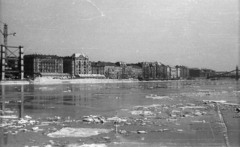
(182, 72)
(154, 71)
(113, 71)
(81, 63)
(76, 65)
(68, 65)
(162, 71)
(118, 70)
(97, 68)
(185, 72)
(207, 73)
(146, 70)
(168, 72)
(43, 65)
(174, 73)
(52, 65)
(194, 72)
(79, 66)
(134, 71)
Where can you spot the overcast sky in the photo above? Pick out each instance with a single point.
(195, 33)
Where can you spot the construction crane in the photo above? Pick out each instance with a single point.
(11, 62)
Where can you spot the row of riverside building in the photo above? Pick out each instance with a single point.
(79, 66)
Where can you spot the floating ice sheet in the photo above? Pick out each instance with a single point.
(220, 101)
(140, 112)
(8, 111)
(117, 119)
(154, 96)
(77, 132)
(193, 107)
(87, 145)
(9, 116)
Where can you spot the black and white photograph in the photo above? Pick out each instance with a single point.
(119, 73)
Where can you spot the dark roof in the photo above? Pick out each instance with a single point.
(97, 63)
(41, 56)
(194, 69)
(135, 65)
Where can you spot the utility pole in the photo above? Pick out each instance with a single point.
(5, 34)
(237, 76)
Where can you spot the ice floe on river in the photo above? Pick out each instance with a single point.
(77, 132)
(154, 96)
(87, 145)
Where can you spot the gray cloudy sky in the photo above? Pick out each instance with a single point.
(195, 33)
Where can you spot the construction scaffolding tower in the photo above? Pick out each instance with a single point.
(11, 62)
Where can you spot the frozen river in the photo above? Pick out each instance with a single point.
(30, 113)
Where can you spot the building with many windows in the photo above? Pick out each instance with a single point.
(174, 73)
(79, 66)
(155, 71)
(194, 72)
(81, 63)
(76, 65)
(43, 65)
(205, 73)
(97, 68)
(182, 72)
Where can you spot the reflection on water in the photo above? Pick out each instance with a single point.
(37, 99)
(77, 100)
